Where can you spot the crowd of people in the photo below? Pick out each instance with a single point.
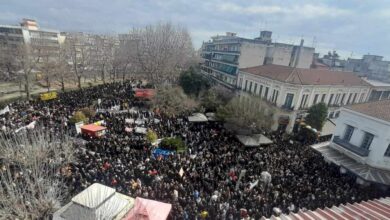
(215, 178)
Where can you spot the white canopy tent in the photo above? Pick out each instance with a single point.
(253, 140)
(140, 130)
(197, 117)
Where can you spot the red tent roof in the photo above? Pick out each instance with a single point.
(93, 127)
(145, 209)
(144, 93)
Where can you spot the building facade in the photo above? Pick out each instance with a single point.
(363, 133)
(371, 66)
(294, 90)
(225, 55)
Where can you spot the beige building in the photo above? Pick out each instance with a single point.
(294, 90)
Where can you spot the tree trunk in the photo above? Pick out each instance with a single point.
(79, 81)
(48, 83)
(27, 87)
(103, 79)
(123, 76)
(62, 84)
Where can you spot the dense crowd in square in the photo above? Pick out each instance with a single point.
(204, 182)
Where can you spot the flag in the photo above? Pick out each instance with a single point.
(252, 185)
(31, 125)
(181, 172)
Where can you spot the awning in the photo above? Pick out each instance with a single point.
(253, 140)
(363, 171)
(197, 117)
(146, 209)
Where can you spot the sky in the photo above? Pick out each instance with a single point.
(352, 27)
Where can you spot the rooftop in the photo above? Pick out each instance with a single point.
(377, 109)
(306, 76)
(377, 83)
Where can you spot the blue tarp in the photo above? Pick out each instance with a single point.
(165, 153)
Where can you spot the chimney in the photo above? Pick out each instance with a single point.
(298, 54)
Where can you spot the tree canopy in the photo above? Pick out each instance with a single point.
(172, 101)
(317, 116)
(247, 112)
(193, 83)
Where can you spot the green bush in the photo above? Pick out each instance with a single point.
(151, 136)
(77, 117)
(174, 143)
(88, 112)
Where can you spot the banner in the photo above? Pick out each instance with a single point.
(4, 110)
(78, 126)
(100, 123)
(48, 96)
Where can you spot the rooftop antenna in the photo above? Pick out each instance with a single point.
(314, 44)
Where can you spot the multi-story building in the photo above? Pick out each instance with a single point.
(378, 91)
(371, 66)
(361, 142)
(294, 90)
(225, 55)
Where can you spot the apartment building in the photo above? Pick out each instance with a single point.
(294, 90)
(225, 55)
(371, 66)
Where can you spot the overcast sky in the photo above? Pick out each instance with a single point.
(350, 26)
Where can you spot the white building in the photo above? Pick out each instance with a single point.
(294, 90)
(361, 141)
(225, 55)
(379, 90)
(30, 33)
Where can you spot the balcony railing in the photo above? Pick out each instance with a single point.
(288, 108)
(355, 149)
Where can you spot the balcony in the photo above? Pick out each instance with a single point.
(288, 108)
(355, 149)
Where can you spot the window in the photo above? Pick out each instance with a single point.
(261, 90)
(348, 133)
(273, 95)
(342, 99)
(250, 87)
(266, 92)
(255, 91)
(276, 96)
(315, 99)
(367, 139)
(349, 98)
(387, 152)
(323, 98)
(330, 99)
(354, 98)
(289, 100)
(361, 97)
(246, 85)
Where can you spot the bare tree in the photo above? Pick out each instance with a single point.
(8, 66)
(173, 101)
(247, 112)
(162, 51)
(30, 174)
(79, 52)
(27, 59)
(104, 58)
(62, 70)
